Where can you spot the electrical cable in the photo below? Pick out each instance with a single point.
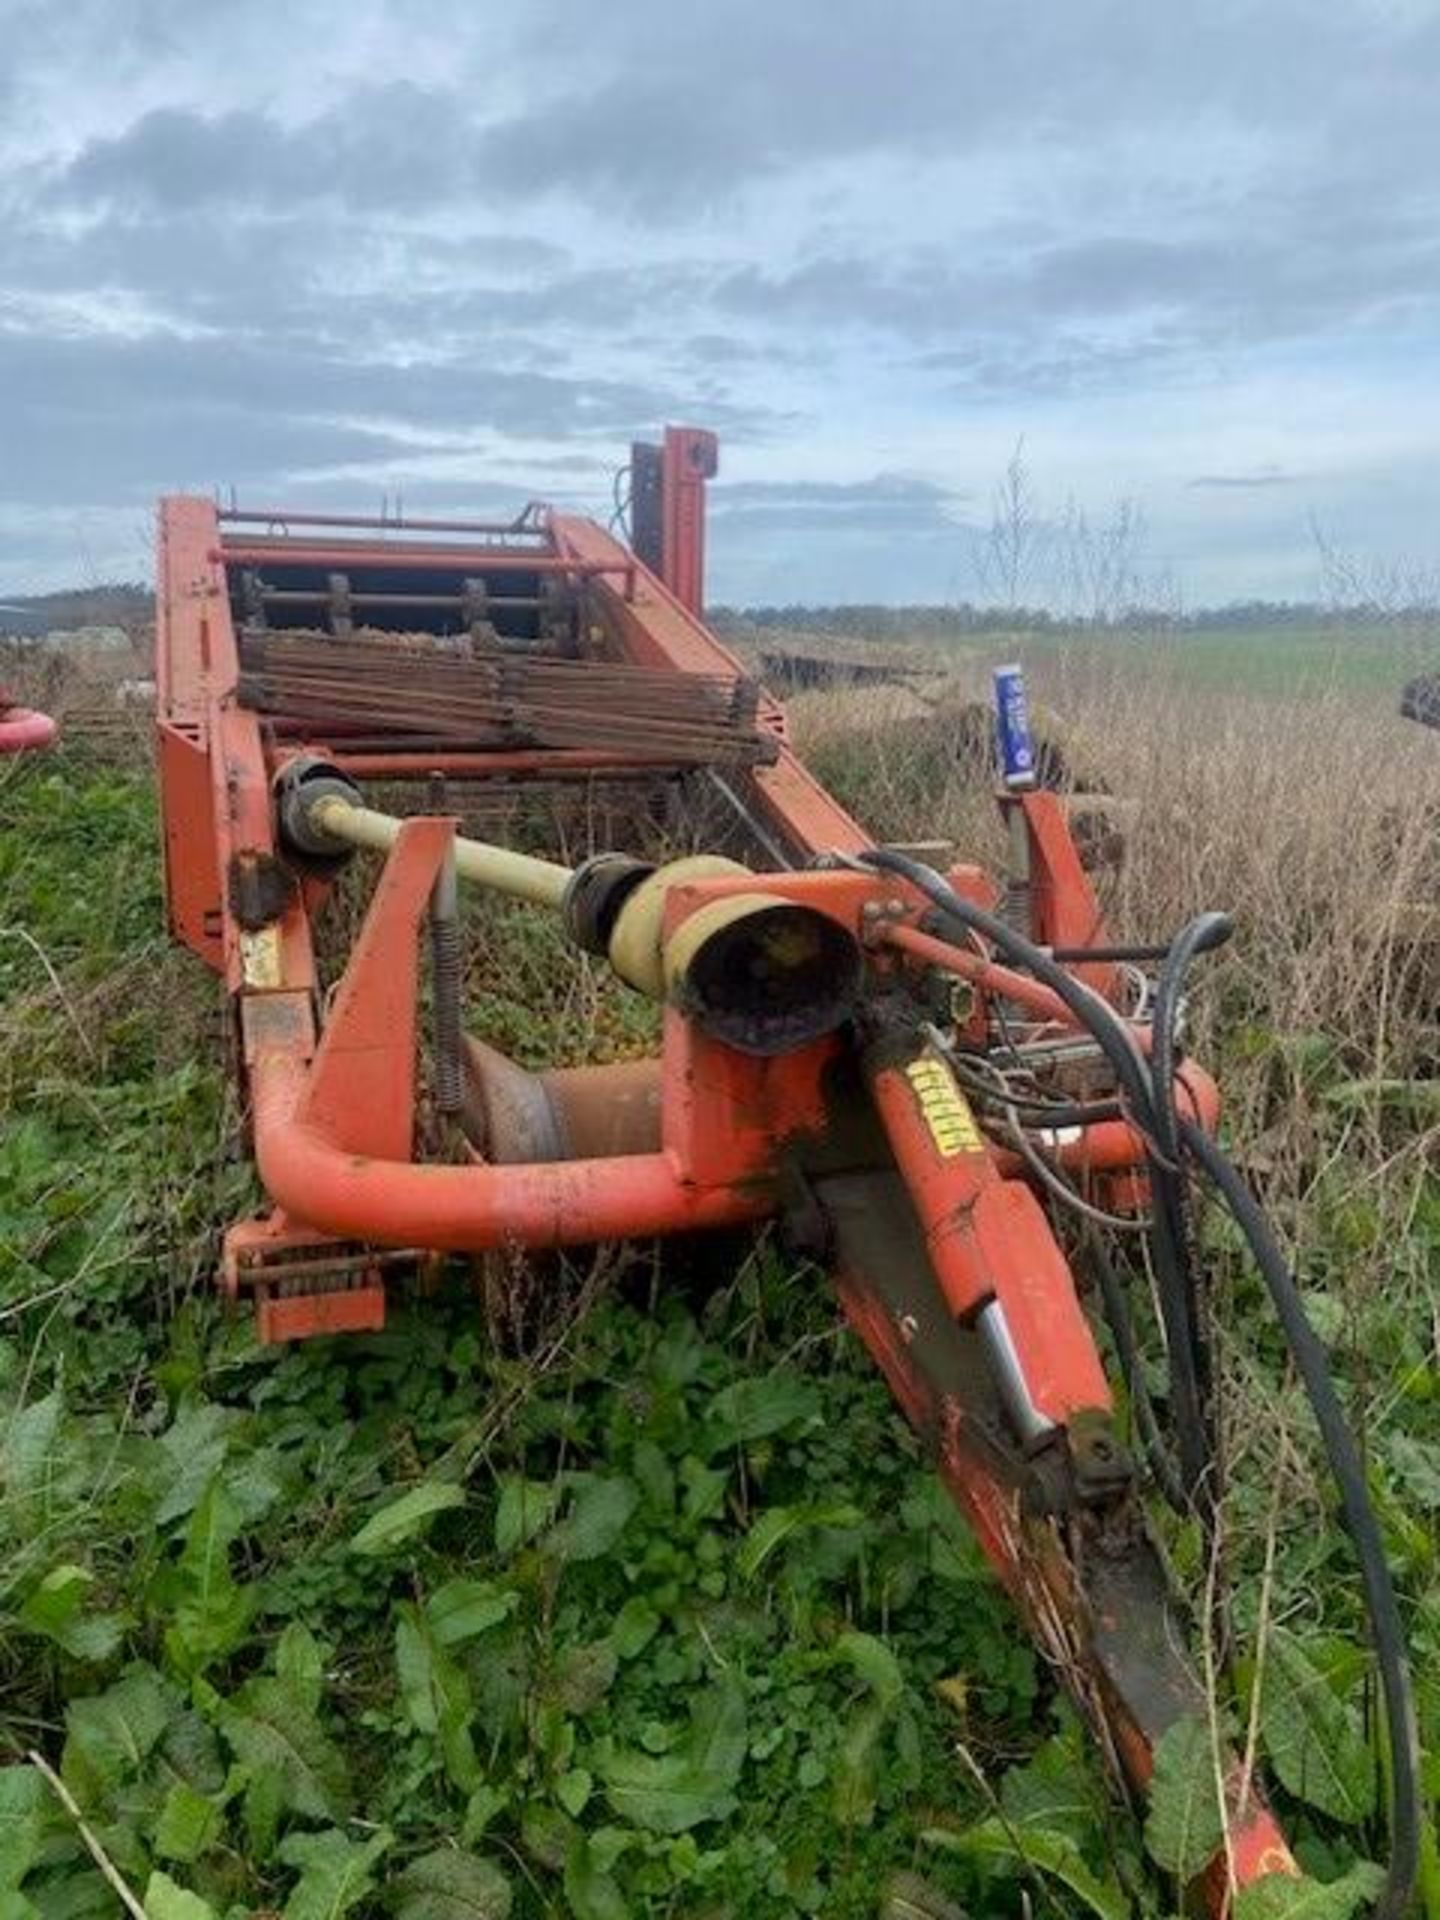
(1051, 1114)
(987, 1082)
(1386, 1632)
(1055, 1182)
(1203, 934)
(1092, 955)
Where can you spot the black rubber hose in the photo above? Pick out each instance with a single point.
(1130, 952)
(1088, 1007)
(1202, 935)
(1312, 1365)
(1122, 1328)
(1099, 1018)
(1310, 1358)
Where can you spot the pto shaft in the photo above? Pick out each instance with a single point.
(763, 973)
(519, 875)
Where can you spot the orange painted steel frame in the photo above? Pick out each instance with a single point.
(688, 459)
(334, 1107)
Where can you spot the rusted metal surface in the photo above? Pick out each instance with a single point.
(654, 628)
(411, 685)
(566, 1113)
(502, 764)
(1105, 1616)
(987, 1239)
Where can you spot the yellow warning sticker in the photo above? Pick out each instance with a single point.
(946, 1111)
(260, 957)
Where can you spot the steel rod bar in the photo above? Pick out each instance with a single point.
(367, 762)
(280, 517)
(377, 558)
(319, 596)
(984, 973)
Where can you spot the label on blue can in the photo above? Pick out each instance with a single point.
(1012, 727)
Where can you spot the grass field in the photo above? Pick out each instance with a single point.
(1371, 661)
(1281, 662)
(648, 1605)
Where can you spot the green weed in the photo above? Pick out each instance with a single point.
(660, 1614)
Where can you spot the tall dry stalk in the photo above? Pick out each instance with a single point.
(1314, 825)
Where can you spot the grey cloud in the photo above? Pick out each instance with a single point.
(1184, 270)
(1086, 311)
(392, 146)
(133, 415)
(713, 97)
(883, 505)
(556, 230)
(887, 536)
(670, 110)
(1241, 482)
(373, 283)
(722, 349)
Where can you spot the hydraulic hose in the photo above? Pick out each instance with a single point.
(1122, 1328)
(1106, 1027)
(1201, 935)
(1309, 1355)
(1360, 1522)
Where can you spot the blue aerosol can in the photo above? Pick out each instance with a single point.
(1016, 751)
(1012, 729)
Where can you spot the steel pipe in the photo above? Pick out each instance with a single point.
(381, 558)
(282, 517)
(320, 596)
(562, 1203)
(974, 967)
(395, 762)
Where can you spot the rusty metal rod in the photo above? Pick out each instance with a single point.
(447, 969)
(320, 596)
(392, 760)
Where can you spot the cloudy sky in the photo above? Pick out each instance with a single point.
(327, 253)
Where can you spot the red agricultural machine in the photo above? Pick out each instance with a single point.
(956, 1099)
(22, 729)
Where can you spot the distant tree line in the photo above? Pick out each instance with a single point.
(113, 603)
(961, 618)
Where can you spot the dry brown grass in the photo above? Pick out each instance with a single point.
(1313, 824)
(80, 680)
